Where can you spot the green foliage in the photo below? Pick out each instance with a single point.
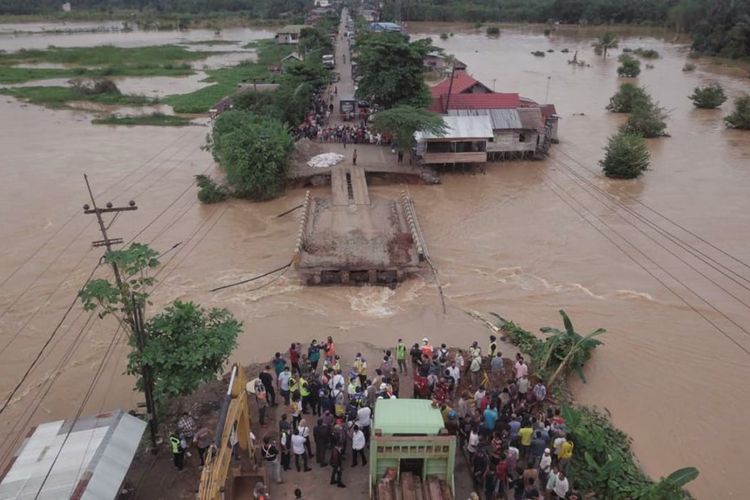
(538, 53)
(605, 43)
(740, 117)
(209, 191)
(646, 120)
(392, 69)
(403, 121)
(315, 38)
(718, 27)
(134, 264)
(628, 98)
(57, 97)
(646, 53)
(253, 151)
(186, 346)
(709, 97)
(688, 67)
(629, 66)
(493, 31)
(155, 119)
(626, 156)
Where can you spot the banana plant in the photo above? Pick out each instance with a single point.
(572, 349)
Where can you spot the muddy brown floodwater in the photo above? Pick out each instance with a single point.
(524, 240)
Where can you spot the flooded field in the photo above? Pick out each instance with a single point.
(523, 240)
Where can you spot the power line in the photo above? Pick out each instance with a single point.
(285, 266)
(668, 219)
(665, 285)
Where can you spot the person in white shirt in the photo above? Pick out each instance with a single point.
(358, 446)
(298, 448)
(471, 446)
(364, 419)
(455, 372)
(284, 384)
(544, 466)
(561, 485)
(522, 369)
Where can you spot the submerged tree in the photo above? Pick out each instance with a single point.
(628, 98)
(740, 117)
(209, 191)
(708, 97)
(626, 156)
(606, 42)
(630, 67)
(646, 120)
(402, 122)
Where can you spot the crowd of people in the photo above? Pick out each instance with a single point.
(352, 134)
(516, 445)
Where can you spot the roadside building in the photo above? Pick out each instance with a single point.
(464, 141)
(289, 34)
(385, 28)
(435, 61)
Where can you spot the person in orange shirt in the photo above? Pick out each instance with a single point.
(426, 348)
(330, 349)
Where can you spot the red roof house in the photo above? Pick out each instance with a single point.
(462, 84)
(493, 100)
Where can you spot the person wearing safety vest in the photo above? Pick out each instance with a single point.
(493, 346)
(178, 452)
(304, 393)
(401, 356)
(360, 367)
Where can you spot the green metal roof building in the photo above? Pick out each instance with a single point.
(408, 435)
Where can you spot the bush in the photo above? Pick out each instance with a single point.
(646, 121)
(646, 53)
(627, 98)
(626, 156)
(443, 36)
(493, 31)
(708, 97)
(688, 67)
(94, 87)
(538, 53)
(629, 66)
(209, 191)
(253, 151)
(740, 118)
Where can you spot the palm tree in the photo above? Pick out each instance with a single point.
(607, 41)
(571, 349)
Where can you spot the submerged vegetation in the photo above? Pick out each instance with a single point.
(210, 191)
(627, 98)
(630, 67)
(155, 119)
(646, 120)
(709, 97)
(57, 97)
(740, 117)
(626, 156)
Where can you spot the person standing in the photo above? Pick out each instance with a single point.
(284, 378)
(298, 448)
(364, 421)
(358, 446)
(304, 431)
(360, 367)
(286, 448)
(354, 157)
(492, 347)
(313, 354)
(561, 486)
(278, 365)
(267, 378)
(178, 453)
(395, 383)
(294, 358)
(186, 427)
(271, 459)
(322, 436)
(202, 440)
(401, 356)
(337, 458)
(256, 386)
(330, 350)
(474, 368)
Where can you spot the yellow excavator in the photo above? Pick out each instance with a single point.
(229, 472)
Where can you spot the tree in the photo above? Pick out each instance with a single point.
(630, 67)
(708, 97)
(646, 120)
(627, 98)
(392, 69)
(626, 156)
(403, 121)
(740, 117)
(569, 349)
(253, 151)
(187, 345)
(209, 191)
(606, 42)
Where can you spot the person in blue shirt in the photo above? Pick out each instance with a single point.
(490, 418)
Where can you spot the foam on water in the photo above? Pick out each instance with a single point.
(372, 301)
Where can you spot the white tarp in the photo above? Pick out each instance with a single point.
(325, 160)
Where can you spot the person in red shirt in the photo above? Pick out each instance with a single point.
(294, 358)
(501, 477)
(426, 348)
(330, 350)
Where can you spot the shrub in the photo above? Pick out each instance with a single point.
(94, 87)
(209, 191)
(708, 97)
(646, 120)
(688, 67)
(646, 53)
(627, 98)
(493, 31)
(629, 66)
(538, 53)
(443, 36)
(740, 117)
(626, 156)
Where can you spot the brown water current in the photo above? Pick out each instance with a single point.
(524, 240)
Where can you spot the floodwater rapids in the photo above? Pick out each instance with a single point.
(523, 239)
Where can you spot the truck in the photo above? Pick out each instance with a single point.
(411, 453)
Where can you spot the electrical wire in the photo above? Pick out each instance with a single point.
(285, 266)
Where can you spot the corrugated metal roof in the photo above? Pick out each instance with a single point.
(501, 119)
(462, 127)
(292, 29)
(94, 459)
(407, 416)
(531, 118)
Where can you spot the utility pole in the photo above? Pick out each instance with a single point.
(135, 316)
(546, 93)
